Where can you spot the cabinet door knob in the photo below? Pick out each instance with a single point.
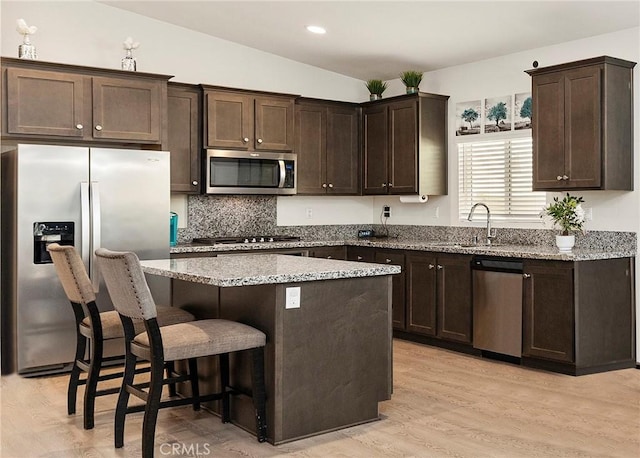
(559, 178)
(440, 267)
(391, 185)
(194, 182)
(245, 139)
(564, 177)
(330, 185)
(259, 141)
(98, 127)
(384, 185)
(324, 185)
(79, 126)
(431, 266)
(526, 275)
(359, 258)
(388, 261)
(329, 257)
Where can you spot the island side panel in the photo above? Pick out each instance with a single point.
(336, 355)
(327, 364)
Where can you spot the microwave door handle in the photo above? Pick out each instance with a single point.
(85, 215)
(95, 231)
(282, 173)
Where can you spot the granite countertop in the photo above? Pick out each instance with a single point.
(259, 269)
(504, 250)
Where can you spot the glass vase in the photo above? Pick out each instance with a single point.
(129, 62)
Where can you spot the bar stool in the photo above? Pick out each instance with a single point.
(185, 341)
(96, 327)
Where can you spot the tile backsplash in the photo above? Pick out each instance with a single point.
(215, 216)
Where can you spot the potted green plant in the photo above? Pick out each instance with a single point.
(376, 88)
(411, 79)
(567, 215)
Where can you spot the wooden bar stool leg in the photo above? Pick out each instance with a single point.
(95, 365)
(123, 398)
(170, 371)
(193, 377)
(224, 383)
(259, 392)
(152, 406)
(72, 390)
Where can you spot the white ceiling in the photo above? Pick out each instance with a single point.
(380, 39)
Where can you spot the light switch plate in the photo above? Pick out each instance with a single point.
(292, 298)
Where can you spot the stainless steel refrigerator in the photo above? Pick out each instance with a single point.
(87, 197)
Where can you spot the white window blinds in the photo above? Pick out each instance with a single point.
(499, 174)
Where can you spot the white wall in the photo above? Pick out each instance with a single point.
(87, 33)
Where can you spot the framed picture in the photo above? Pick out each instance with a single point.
(497, 113)
(468, 117)
(522, 111)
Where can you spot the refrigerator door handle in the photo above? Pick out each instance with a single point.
(85, 215)
(95, 239)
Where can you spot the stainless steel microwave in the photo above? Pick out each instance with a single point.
(242, 172)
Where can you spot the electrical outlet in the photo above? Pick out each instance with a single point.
(292, 298)
(309, 212)
(386, 211)
(588, 214)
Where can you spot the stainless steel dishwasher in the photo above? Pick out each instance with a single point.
(497, 305)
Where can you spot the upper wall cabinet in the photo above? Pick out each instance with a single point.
(183, 125)
(237, 119)
(583, 125)
(327, 147)
(57, 102)
(405, 145)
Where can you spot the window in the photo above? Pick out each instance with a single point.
(499, 173)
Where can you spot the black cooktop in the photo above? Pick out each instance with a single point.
(247, 239)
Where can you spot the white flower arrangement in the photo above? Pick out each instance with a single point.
(24, 29)
(129, 44)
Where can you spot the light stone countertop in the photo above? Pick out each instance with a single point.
(511, 251)
(259, 269)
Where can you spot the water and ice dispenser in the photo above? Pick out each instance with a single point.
(45, 233)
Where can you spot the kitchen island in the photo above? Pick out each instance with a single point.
(328, 326)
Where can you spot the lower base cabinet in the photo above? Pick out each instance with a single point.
(398, 299)
(579, 317)
(328, 252)
(439, 295)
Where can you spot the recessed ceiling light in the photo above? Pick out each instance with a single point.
(316, 29)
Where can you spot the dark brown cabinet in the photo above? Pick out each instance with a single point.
(439, 295)
(583, 125)
(395, 257)
(548, 310)
(327, 147)
(245, 120)
(328, 252)
(361, 254)
(405, 145)
(578, 317)
(183, 124)
(65, 102)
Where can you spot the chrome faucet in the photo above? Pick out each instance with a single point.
(490, 233)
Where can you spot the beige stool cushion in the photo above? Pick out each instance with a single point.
(112, 326)
(201, 338)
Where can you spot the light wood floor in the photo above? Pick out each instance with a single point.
(444, 405)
